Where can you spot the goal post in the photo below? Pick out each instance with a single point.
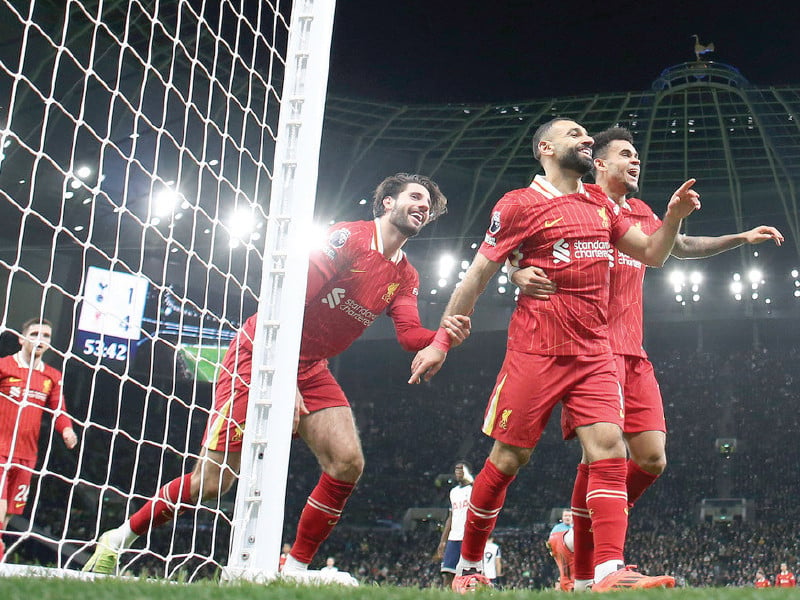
(259, 510)
(158, 170)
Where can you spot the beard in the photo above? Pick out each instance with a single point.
(631, 188)
(575, 161)
(400, 220)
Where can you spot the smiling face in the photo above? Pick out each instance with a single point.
(619, 167)
(409, 212)
(569, 145)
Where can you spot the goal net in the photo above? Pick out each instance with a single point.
(157, 161)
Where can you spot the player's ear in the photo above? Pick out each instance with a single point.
(388, 202)
(599, 164)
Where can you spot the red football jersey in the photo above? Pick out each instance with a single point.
(24, 393)
(569, 237)
(625, 306)
(785, 580)
(358, 284)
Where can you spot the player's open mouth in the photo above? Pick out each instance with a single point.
(587, 150)
(634, 173)
(418, 217)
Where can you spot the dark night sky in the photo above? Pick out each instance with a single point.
(422, 51)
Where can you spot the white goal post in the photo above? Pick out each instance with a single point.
(158, 170)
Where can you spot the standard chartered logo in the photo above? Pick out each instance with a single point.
(334, 298)
(561, 251)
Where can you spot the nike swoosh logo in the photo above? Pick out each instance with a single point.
(551, 223)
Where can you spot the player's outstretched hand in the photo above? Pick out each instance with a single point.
(762, 233)
(426, 364)
(69, 437)
(684, 200)
(299, 410)
(532, 281)
(458, 328)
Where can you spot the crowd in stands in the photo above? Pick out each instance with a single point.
(412, 436)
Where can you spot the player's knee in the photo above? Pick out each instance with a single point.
(654, 464)
(347, 468)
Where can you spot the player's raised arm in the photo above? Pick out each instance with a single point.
(429, 360)
(654, 250)
(691, 246)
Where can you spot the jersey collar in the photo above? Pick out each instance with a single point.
(23, 364)
(541, 185)
(377, 243)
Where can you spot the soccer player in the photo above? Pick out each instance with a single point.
(28, 387)
(560, 544)
(761, 580)
(557, 350)
(360, 273)
(492, 562)
(449, 547)
(785, 578)
(617, 168)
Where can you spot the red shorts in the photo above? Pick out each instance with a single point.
(644, 408)
(15, 483)
(225, 427)
(530, 385)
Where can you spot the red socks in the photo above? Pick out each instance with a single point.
(174, 497)
(607, 501)
(488, 495)
(638, 481)
(320, 515)
(582, 526)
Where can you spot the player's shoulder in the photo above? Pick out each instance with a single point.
(345, 231)
(639, 207)
(522, 196)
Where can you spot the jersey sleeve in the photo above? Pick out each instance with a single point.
(404, 312)
(325, 262)
(620, 224)
(511, 223)
(55, 401)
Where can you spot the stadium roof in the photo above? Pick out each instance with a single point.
(700, 119)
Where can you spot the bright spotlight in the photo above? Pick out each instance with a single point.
(678, 298)
(754, 275)
(83, 172)
(677, 278)
(736, 287)
(163, 203)
(795, 273)
(442, 282)
(241, 224)
(502, 280)
(696, 298)
(502, 289)
(446, 264)
(737, 277)
(465, 264)
(696, 278)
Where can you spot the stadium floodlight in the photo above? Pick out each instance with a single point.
(696, 298)
(755, 277)
(678, 298)
(678, 279)
(362, 202)
(502, 280)
(164, 202)
(83, 172)
(695, 278)
(465, 264)
(502, 289)
(241, 224)
(446, 264)
(75, 184)
(442, 282)
(795, 273)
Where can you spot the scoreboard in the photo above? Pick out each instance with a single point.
(110, 321)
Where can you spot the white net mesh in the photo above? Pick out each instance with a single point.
(137, 152)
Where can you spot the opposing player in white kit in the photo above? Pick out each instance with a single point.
(449, 548)
(492, 561)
